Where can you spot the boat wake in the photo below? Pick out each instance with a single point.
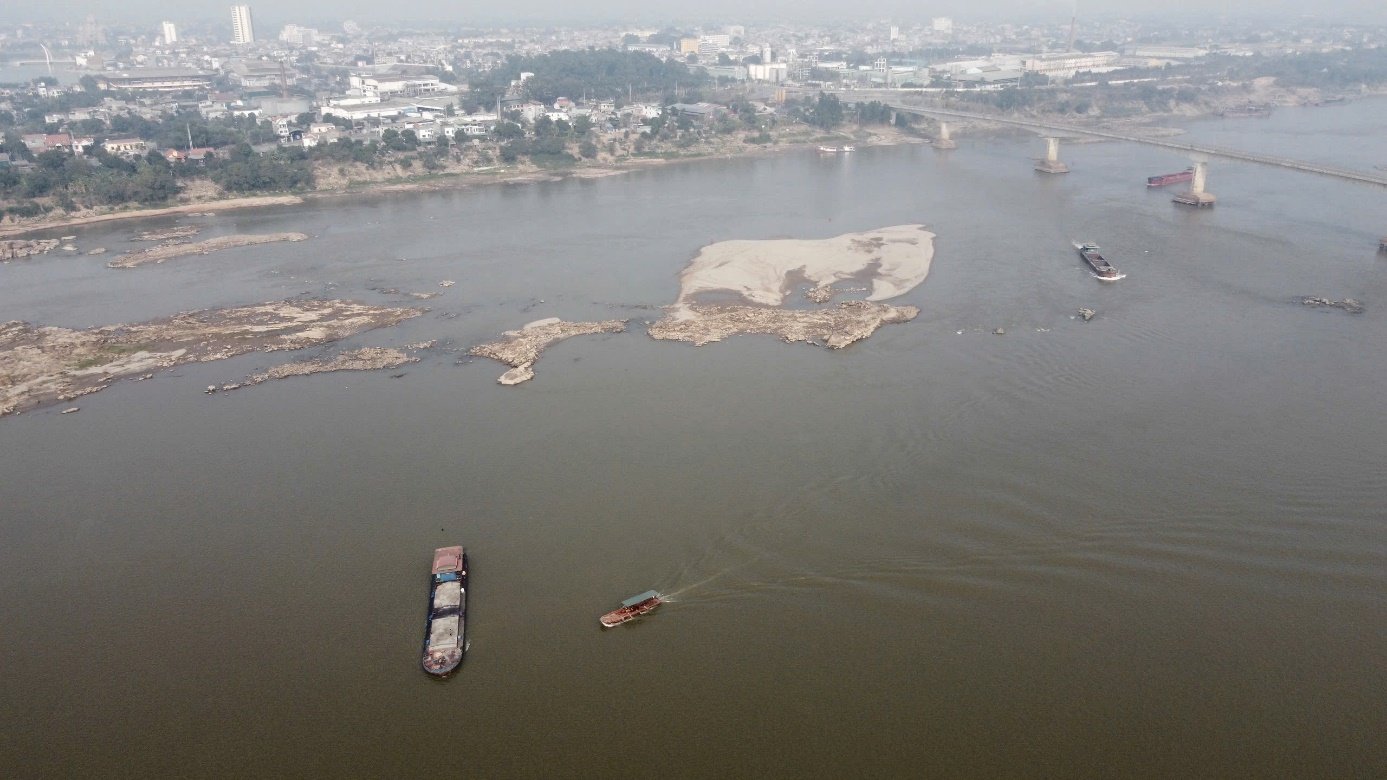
(1107, 278)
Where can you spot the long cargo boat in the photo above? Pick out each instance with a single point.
(1170, 178)
(445, 631)
(1101, 267)
(632, 608)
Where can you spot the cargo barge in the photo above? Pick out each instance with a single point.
(1170, 178)
(632, 608)
(445, 630)
(1101, 267)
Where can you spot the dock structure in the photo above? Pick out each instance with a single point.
(1196, 196)
(1051, 162)
(1382, 244)
(944, 141)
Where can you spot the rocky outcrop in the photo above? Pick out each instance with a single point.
(1348, 304)
(168, 251)
(835, 328)
(42, 365)
(18, 249)
(519, 349)
(364, 359)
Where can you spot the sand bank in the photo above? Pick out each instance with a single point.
(519, 349)
(889, 262)
(43, 365)
(892, 260)
(159, 254)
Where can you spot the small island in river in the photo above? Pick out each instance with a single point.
(884, 263)
(43, 365)
(519, 349)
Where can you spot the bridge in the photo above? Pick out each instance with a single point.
(1363, 177)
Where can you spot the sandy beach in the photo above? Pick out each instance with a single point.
(892, 260)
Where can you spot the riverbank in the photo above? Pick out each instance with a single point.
(528, 173)
(193, 207)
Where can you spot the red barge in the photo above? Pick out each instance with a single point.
(632, 608)
(1170, 178)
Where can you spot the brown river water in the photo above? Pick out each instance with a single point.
(1152, 544)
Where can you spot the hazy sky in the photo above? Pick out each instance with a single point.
(278, 12)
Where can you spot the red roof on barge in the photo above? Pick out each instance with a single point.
(446, 559)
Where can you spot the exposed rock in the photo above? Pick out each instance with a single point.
(1000, 332)
(364, 359)
(18, 248)
(169, 251)
(71, 409)
(101, 250)
(521, 348)
(517, 375)
(1087, 314)
(182, 231)
(835, 328)
(40, 365)
(1348, 304)
(447, 283)
(821, 294)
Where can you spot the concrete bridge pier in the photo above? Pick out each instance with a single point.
(1051, 163)
(944, 141)
(1196, 196)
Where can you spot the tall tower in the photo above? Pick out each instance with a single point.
(242, 29)
(169, 33)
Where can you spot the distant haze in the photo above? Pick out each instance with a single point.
(657, 11)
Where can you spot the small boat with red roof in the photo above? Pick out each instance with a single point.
(632, 608)
(445, 630)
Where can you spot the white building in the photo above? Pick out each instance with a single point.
(391, 85)
(1063, 65)
(169, 33)
(242, 28)
(774, 72)
(942, 24)
(299, 36)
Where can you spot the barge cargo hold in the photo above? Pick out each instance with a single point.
(445, 630)
(1101, 267)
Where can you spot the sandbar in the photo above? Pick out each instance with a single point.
(892, 260)
(162, 252)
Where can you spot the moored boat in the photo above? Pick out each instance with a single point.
(848, 149)
(632, 608)
(1101, 267)
(1170, 178)
(445, 630)
(828, 149)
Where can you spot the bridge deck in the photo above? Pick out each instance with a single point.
(1364, 177)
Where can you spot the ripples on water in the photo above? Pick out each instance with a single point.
(1152, 542)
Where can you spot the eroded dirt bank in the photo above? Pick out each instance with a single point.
(41, 365)
(519, 349)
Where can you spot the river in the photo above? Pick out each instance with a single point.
(1151, 544)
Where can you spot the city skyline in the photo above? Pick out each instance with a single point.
(718, 11)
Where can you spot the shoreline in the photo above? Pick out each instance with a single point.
(223, 204)
(533, 174)
(435, 183)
